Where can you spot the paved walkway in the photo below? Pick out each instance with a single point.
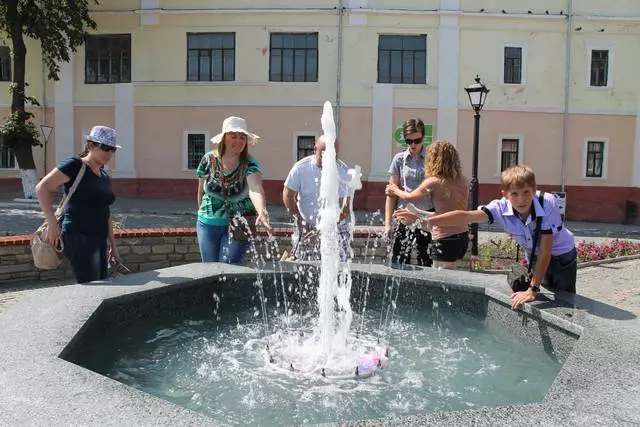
(20, 218)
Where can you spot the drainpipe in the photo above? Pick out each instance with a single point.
(43, 108)
(339, 71)
(567, 94)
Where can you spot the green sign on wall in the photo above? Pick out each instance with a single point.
(398, 136)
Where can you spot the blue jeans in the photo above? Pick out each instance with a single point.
(215, 245)
(87, 255)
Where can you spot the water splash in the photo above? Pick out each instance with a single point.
(333, 291)
(328, 349)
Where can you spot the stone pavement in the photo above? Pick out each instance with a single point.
(617, 284)
(20, 218)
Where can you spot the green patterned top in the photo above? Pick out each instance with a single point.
(212, 209)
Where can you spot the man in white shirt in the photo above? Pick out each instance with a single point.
(301, 196)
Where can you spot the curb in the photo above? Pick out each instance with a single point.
(580, 265)
(608, 261)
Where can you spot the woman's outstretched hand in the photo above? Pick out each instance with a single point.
(263, 218)
(391, 190)
(404, 216)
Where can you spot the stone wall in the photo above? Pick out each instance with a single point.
(151, 249)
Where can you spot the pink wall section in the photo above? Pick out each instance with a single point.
(160, 135)
(159, 150)
(620, 132)
(354, 141)
(542, 143)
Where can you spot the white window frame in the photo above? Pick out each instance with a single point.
(315, 135)
(612, 57)
(605, 158)
(15, 167)
(185, 146)
(502, 137)
(523, 71)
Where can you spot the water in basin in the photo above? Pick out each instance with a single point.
(216, 364)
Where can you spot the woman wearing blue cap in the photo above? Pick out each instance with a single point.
(86, 228)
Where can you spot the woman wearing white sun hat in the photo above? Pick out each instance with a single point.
(230, 185)
(86, 226)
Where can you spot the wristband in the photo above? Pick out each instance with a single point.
(534, 288)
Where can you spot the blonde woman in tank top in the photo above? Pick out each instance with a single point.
(449, 191)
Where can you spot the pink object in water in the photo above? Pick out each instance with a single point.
(368, 362)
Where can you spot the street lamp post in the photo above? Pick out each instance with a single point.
(477, 95)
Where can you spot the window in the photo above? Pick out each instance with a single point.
(510, 150)
(5, 64)
(595, 159)
(293, 57)
(599, 68)
(195, 148)
(402, 59)
(509, 153)
(304, 145)
(512, 65)
(7, 159)
(108, 59)
(211, 57)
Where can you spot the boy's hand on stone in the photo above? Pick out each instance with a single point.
(519, 298)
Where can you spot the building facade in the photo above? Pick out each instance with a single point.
(165, 73)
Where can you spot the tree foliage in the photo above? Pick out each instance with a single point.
(61, 27)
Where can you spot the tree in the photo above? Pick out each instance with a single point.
(61, 26)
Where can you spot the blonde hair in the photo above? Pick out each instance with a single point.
(517, 177)
(443, 161)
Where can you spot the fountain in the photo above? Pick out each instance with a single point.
(327, 349)
(237, 350)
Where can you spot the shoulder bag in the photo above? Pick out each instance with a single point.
(45, 255)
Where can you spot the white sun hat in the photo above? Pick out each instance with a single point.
(235, 124)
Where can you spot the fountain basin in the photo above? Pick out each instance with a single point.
(205, 347)
(595, 384)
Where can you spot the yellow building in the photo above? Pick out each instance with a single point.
(165, 73)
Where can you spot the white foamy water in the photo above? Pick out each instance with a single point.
(334, 288)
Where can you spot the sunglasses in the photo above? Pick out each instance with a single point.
(413, 141)
(104, 147)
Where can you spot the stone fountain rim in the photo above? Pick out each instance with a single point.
(37, 387)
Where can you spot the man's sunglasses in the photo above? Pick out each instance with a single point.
(413, 141)
(104, 147)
